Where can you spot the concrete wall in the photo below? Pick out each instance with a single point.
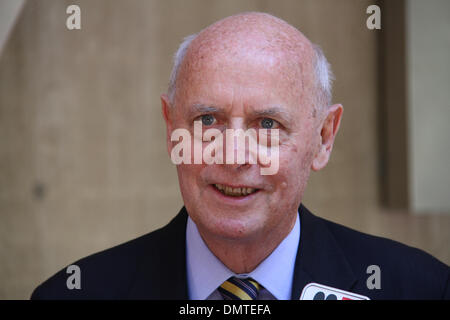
(83, 164)
(9, 10)
(429, 104)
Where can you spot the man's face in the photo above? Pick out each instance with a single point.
(252, 90)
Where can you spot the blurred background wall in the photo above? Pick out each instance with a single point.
(83, 164)
(428, 41)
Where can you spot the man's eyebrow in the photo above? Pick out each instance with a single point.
(271, 112)
(268, 112)
(202, 108)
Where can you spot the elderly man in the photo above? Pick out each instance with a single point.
(243, 234)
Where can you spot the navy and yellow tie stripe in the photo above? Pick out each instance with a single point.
(239, 289)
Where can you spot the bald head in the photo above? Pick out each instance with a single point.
(250, 33)
(256, 36)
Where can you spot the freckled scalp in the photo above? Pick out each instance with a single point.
(254, 35)
(252, 30)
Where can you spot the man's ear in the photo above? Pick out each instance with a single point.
(328, 133)
(166, 109)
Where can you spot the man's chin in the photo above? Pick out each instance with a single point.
(232, 226)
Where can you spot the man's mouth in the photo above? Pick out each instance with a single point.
(235, 192)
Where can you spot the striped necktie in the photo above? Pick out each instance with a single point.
(239, 289)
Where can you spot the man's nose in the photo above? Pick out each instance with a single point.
(237, 144)
(236, 123)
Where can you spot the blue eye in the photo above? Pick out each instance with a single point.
(267, 123)
(207, 119)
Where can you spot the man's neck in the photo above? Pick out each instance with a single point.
(244, 255)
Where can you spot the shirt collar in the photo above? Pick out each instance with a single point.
(205, 273)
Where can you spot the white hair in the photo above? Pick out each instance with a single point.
(324, 77)
(322, 69)
(177, 60)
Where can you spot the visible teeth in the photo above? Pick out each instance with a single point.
(235, 192)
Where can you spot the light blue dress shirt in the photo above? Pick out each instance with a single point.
(205, 272)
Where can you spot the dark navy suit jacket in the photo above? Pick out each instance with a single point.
(153, 266)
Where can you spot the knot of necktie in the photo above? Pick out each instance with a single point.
(239, 289)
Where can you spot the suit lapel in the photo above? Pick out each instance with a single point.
(319, 257)
(161, 274)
